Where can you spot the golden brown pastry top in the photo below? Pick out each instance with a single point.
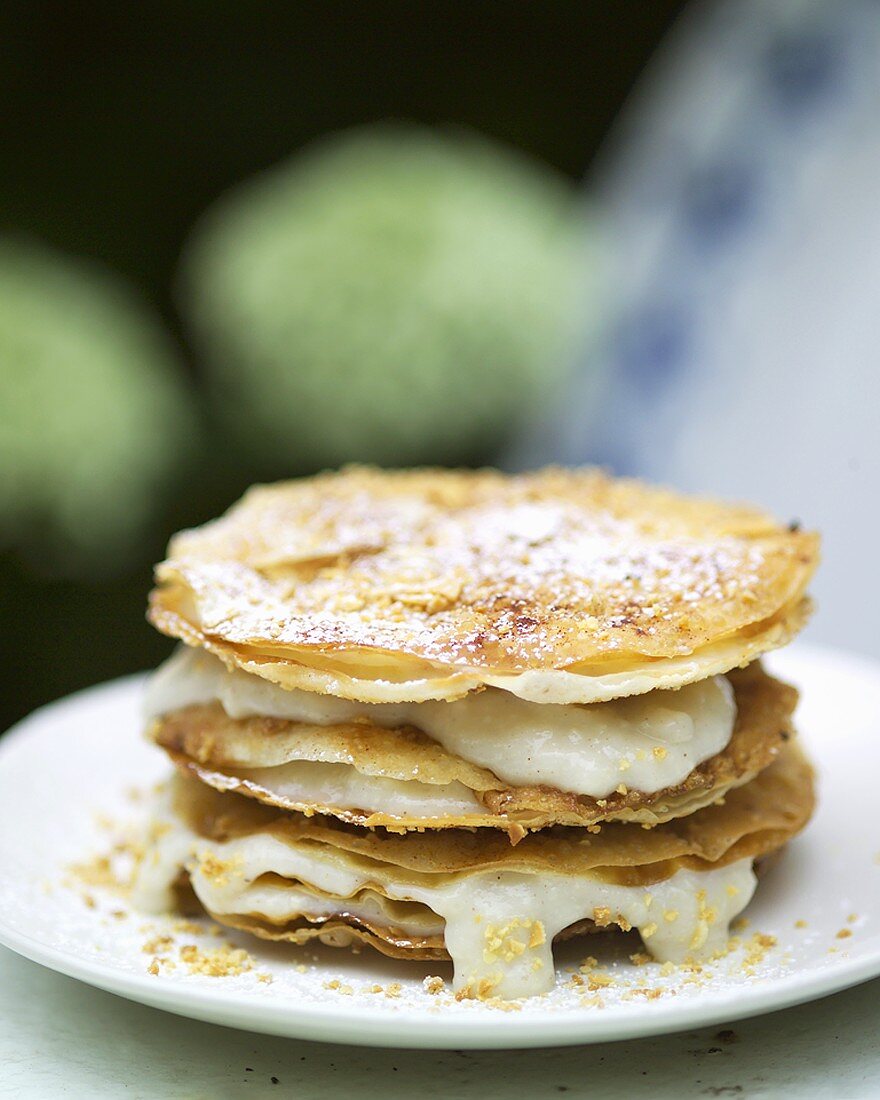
(396, 576)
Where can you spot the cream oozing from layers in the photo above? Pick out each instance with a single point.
(498, 927)
(648, 742)
(340, 787)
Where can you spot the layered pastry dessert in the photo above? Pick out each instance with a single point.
(464, 715)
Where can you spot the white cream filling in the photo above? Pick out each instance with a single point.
(282, 902)
(343, 787)
(498, 926)
(648, 742)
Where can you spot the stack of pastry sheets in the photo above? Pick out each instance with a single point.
(461, 714)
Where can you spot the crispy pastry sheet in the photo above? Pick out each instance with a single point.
(751, 821)
(560, 586)
(755, 821)
(220, 751)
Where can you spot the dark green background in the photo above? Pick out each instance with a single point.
(120, 122)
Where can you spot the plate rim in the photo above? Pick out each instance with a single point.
(357, 1027)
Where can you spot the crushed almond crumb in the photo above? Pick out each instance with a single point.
(189, 927)
(504, 941)
(219, 871)
(479, 991)
(157, 944)
(225, 961)
(756, 950)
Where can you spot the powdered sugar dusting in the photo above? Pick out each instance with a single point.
(533, 572)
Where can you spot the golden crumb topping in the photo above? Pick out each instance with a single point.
(221, 962)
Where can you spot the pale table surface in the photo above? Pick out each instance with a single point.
(61, 1038)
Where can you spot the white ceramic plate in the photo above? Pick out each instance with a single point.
(71, 766)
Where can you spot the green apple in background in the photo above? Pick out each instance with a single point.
(393, 294)
(94, 420)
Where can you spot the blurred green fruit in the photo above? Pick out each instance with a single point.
(393, 295)
(94, 420)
